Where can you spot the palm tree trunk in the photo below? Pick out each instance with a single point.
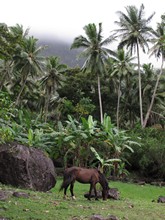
(22, 88)
(2, 81)
(6, 73)
(100, 100)
(140, 89)
(46, 107)
(153, 96)
(20, 93)
(118, 105)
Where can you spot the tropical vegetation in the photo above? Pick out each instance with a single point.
(88, 115)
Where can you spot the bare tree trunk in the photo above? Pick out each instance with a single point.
(100, 100)
(153, 96)
(140, 89)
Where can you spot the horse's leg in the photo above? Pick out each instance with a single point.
(95, 191)
(65, 189)
(71, 190)
(90, 191)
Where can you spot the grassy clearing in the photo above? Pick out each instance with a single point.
(135, 203)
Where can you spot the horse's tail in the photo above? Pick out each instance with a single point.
(66, 181)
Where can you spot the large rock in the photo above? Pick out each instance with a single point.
(26, 167)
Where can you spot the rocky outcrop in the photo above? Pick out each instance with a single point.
(26, 167)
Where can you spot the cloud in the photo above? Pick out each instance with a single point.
(65, 19)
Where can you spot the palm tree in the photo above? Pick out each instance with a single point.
(158, 49)
(95, 53)
(28, 62)
(122, 67)
(134, 32)
(52, 80)
(19, 32)
(11, 39)
(5, 72)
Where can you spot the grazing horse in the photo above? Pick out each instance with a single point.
(85, 176)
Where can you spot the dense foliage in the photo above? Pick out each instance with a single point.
(109, 113)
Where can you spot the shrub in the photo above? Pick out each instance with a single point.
(149, 159)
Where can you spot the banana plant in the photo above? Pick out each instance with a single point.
(107, 124)
(89, 124)
(116, 139)
(102, 161)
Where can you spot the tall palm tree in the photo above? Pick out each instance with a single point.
(28, 62)
(52, 80)
(158, 50)
(122, 68)
(95, 53)
(134, 32)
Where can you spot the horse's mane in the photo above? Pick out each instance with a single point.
(103, 180)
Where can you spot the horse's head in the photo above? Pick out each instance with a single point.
(104, 183)
(105, 193)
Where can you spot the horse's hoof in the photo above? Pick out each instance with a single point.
(73, 197)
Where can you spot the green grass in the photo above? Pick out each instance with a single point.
(135, 203)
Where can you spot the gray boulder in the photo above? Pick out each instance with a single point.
(113, 193)
(161, 199)
(26, 167)
(99, 217)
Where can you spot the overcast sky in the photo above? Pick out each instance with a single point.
(65, 19)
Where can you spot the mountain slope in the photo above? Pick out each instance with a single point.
(62, 50)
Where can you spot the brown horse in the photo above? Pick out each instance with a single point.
(84, 175)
